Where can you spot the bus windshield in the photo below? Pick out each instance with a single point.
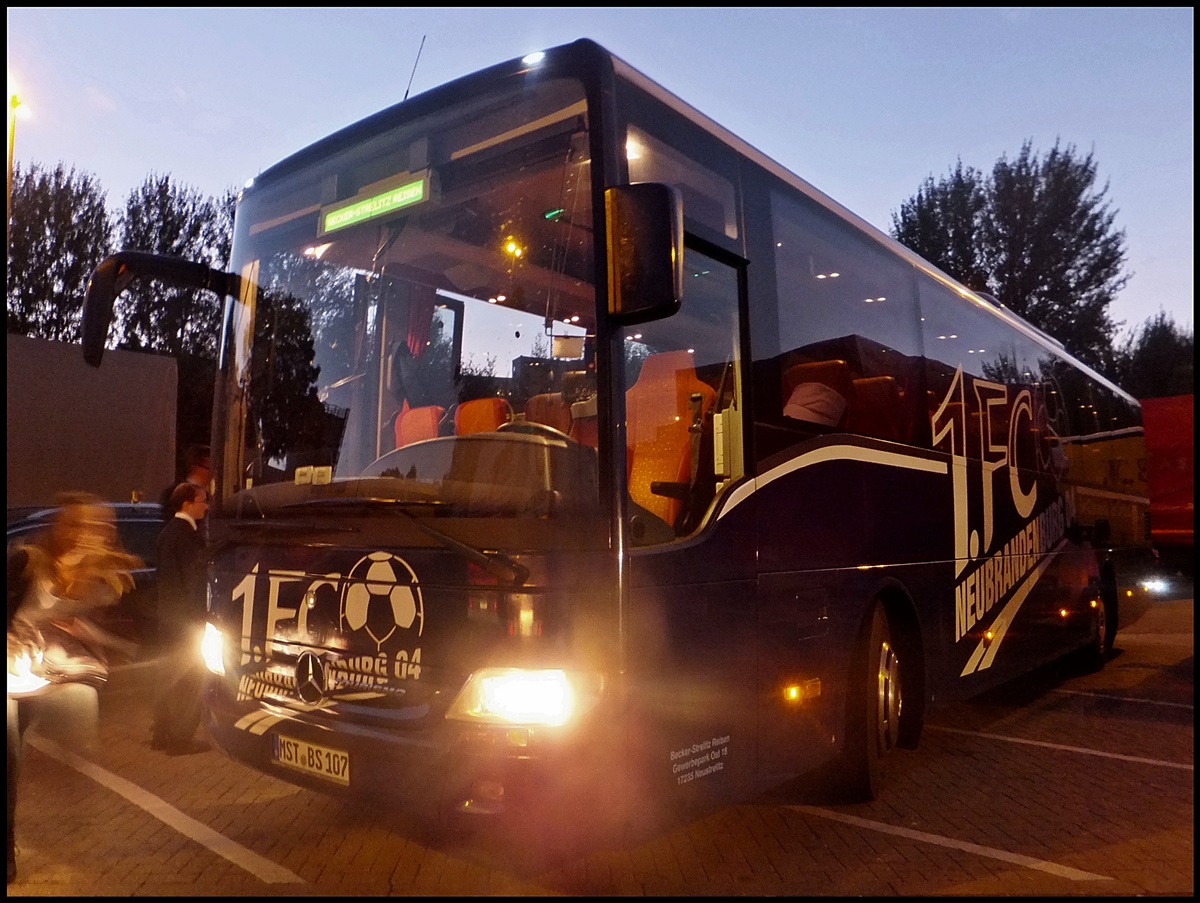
(418, 321)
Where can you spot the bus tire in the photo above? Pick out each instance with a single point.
(1108, 600)
(874, 701)
(1096, 652)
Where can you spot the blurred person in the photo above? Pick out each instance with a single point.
(57, 656)
(182, 609)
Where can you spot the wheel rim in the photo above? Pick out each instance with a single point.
(889, 698)
(1101, 627)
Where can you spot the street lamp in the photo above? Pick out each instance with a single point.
(14, 103)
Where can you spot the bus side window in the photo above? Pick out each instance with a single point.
(817, 392)
(684, 407)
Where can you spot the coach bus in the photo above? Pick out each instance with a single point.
(568, 448)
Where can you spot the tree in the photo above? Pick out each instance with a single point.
(1036, 234)
(60, 231)
(283, 379)
(221, 241)
(165, 218)
(942, 223)
(1156, 360)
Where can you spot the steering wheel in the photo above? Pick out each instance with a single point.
(533, 428)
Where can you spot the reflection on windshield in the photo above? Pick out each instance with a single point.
(499, 474)
(424, 316)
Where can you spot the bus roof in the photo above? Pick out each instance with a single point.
(585, 54)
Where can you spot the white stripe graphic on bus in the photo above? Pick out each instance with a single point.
(985, 651)
(827, 454)
(257, 722)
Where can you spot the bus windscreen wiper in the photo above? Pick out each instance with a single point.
(497, 564)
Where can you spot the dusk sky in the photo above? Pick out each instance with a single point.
(862, 103)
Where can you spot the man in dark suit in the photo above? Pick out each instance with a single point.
(181, 614)
(198, 473)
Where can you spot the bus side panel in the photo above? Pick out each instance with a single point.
(838, 522)
(987, 613)
(799, 696)
(690, 664)
(846, 502)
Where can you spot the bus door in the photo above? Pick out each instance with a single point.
(691, 618)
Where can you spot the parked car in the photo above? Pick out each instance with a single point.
(138, 526)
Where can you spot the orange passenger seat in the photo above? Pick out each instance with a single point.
(415, 424)
(878, 409)
(659, 414)
(818, 391)
(481, 415)
(550, 409)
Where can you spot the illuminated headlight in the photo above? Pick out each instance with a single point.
(1154, 585)
(22, 681)
(212, 649)
(511, 696)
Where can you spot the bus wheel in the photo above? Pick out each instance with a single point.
(1096, 652)
(1108, 601)
(873, 716)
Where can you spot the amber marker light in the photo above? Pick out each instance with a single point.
(796, 693)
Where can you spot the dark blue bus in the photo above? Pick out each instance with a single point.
(567, 450)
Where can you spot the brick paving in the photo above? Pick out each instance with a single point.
(1126, 820)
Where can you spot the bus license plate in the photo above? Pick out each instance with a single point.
(330, 764)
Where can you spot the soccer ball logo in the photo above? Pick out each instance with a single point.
(381, 597)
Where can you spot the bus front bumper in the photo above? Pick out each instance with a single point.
(441, 768)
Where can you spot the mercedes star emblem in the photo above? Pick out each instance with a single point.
(310, 678)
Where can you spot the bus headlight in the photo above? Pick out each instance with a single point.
(511, 696)
(212, 649)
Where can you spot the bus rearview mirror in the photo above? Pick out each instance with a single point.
(108, 280)
(115, 273)
(645, 251)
